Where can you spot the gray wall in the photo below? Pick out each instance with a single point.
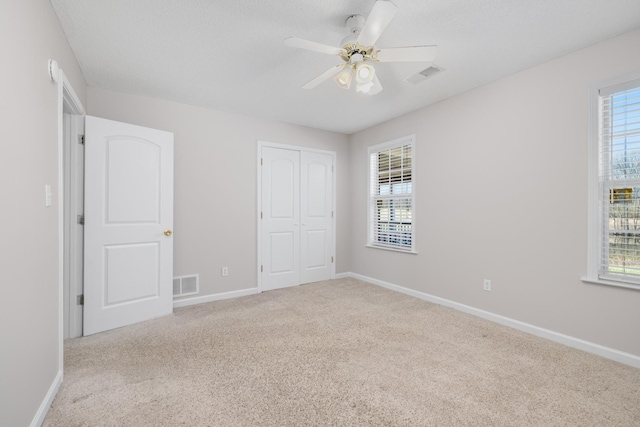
(216, 182)
(29, 315)
(502, 195)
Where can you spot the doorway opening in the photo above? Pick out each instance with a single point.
(70, 188)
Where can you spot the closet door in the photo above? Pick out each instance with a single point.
(316, 216)
(296, 225)
(280, 239)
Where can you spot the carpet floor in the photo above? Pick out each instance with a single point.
(335, 353)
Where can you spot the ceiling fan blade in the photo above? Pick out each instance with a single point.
(381, 15)
(407, 54)
(309, 45)
(324, 76)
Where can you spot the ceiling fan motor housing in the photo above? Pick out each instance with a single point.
(355, 23)
(353, 48)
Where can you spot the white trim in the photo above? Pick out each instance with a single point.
(40, 415)
(215, 297)
(589, 347)
(68, 97)
(393, 143)
(593, 199)
(594, 231)
(390, 249)
(611, 283)
(398, 142)
(262, 144)
(343, 276)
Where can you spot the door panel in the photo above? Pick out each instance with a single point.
(132, 273)
(133, 181)
(316, 216)
(128, 205)
(280, 237)
(282, 182)
(282, 258)
(315, 249)
(317, 181)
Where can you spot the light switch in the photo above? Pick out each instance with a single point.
(47, 195)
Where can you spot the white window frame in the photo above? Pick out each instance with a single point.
(371, 198)
(595, 191)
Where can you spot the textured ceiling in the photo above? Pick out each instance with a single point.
(229, 54)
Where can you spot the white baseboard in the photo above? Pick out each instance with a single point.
(343, 275)
(38, 419)
(589, 347)
(214, 297)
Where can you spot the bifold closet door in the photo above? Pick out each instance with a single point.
(316, 216)
(280, 218)
(297, 217)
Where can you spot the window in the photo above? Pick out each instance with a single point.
(392, 195)
(618, 241)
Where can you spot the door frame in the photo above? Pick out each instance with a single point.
(73, 234)
(262, 144)
(68, 102)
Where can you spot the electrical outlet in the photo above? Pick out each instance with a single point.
(487, 285)
(225, 271)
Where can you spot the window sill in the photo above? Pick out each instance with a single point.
(391, 249)
(611, 283)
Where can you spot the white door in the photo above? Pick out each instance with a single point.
(280, 218)
(128, 258)
(296, 217)
(316, 216)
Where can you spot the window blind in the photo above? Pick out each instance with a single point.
(620, 184)
(391, 196)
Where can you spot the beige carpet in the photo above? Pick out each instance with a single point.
(336, 353)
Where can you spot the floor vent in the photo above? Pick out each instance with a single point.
(424, 74)
(185, 285)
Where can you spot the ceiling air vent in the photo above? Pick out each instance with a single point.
(423, 75)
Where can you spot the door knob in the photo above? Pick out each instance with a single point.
(168, 232)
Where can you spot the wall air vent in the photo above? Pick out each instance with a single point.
(186, 285)
(424, 74)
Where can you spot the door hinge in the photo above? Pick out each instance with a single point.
(332, 259)
(260, 215)
(261, 269)
(331, 214)
(81, 219)
(331, 168)
(261, 161)
(80, 300)
(81, 139)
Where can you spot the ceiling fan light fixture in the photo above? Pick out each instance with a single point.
(364, 73)
(364, 87)
(344, 77)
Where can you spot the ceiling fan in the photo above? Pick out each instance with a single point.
(358, 51)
